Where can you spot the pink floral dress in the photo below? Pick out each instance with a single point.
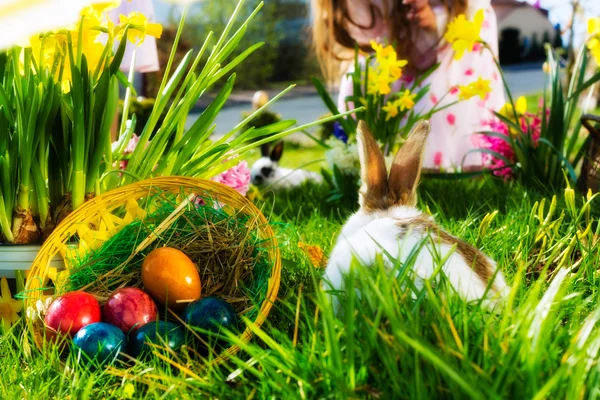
(454, 129)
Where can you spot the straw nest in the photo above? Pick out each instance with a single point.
(104, 243)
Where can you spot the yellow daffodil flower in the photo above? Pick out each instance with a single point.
(516, 113)
(106, 6)
(9, 307)
(407, 101)
(139, 27)
(464, 92)
(383, 86)
(378, 84)
(392, 66)
(593, 26)
(380, 51)
(481, 87)
(594, 47)
(463, 34)
(594, 43)
(386, 70)
(391, 109)
(520, 108)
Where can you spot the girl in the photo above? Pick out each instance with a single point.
(416, 28)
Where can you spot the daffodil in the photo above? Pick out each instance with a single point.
(386, 69)
(464, 34)
(594, 47)
(407, 101)
(378, 84)
(481, 87)
(105, 5)
(381, 51)
(392, 66)
(391, 109)
(593, 26)
(464, 92)
(138, 26)
(546, 67)
(9, 307)
(520, 108)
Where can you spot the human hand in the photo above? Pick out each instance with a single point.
(421, 14)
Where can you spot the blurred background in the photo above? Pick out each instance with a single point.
(524, 28)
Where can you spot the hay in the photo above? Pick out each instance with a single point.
(224, 246)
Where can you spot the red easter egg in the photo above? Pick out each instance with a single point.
(70, 312)
(129, 309)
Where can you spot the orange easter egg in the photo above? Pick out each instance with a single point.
(171, 278)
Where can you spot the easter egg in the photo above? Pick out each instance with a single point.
(160, 333)
(68, 313)
(99, 342)
(211, 314)
(170, 277)
(128, 309)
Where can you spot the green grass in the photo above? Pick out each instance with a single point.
(389, 343)
(310, 158)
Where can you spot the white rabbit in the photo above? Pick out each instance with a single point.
(267, 172)
(388, 221)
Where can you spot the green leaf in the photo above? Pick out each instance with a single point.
(119, 54)
(347, 124)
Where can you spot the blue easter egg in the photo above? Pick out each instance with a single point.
(211, 314)
(156, 332)
(99, 342)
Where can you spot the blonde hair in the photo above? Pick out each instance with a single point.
(333, 43)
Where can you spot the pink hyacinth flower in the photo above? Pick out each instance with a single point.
(237, 178)
(133, 142)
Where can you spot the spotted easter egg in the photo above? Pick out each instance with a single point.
(161, 333)
(70, 312)
(128, 309)
(99, 342)
(171, 278)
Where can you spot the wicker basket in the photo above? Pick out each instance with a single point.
(590, 168)
(102, 210)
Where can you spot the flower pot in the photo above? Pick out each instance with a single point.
(20, 258)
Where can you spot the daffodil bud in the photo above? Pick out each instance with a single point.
(259, 99)
(546, 68)
(570, 200)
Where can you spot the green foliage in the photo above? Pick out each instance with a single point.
(141, 107)
(343, 186)
(389, 343)
(543, 164)
(213, 15)
(261, 120)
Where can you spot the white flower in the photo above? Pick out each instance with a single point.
(40, 308)
(344, 156)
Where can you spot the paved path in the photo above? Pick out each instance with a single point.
(309, 107)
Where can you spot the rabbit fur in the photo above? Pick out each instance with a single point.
(266, 171)
(389, 220)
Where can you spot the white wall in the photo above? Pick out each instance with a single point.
(528, 21)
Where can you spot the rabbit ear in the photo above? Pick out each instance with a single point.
(277, 152)
(374, 190)
(264, 150)
(406, 168)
